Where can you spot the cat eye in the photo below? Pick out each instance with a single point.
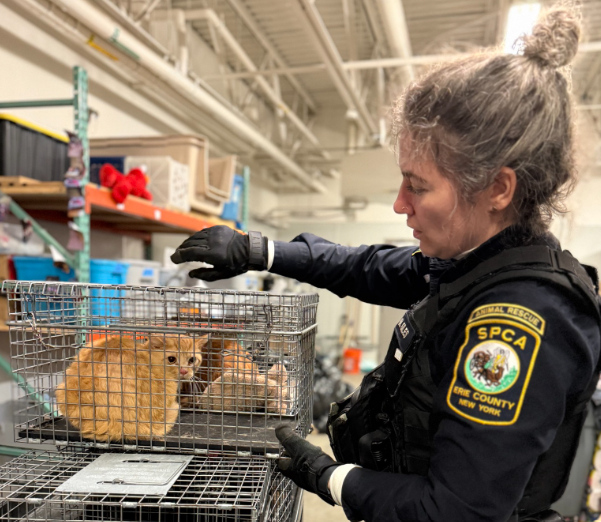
(171, 359)
(191, 360)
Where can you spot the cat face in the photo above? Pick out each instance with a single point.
(181, 356)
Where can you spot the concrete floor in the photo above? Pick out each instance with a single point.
(315, 509)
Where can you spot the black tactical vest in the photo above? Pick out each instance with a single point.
(385, 424)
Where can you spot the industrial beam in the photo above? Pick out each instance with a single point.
(252, 25)
(333, 63)
(211, 18)
(377, 63)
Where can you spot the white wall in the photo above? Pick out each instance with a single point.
(390, 229)
(579, 230)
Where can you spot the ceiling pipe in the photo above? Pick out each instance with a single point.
(147, 9)
(333, 63)
(393, 19)
(132, 27)
(102, 25)
(377, 63)
(211, 17)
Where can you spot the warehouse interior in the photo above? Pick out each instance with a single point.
(287, 105)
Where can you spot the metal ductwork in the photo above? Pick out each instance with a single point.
(393, 19)
(334, 65)
(102, 25)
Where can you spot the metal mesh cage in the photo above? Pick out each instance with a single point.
(160, 369)
(37, 487)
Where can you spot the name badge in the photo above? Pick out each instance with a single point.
(396, 358)
(404, 333)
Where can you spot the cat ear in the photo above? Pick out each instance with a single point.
(201, 342)
(156, 342)
(278, 373)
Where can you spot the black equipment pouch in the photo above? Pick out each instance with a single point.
(358, 425)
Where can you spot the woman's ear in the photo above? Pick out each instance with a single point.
(502, 189)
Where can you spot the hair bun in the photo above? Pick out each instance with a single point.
(554, 39)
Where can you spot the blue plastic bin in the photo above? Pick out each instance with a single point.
(231, 209)
(47, 307)
(105, 304)
(31, 268)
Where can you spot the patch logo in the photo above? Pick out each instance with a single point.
(493, 366)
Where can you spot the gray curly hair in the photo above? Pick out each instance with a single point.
(475, 115)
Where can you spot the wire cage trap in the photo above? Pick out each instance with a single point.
(87, 486)
(160, 369)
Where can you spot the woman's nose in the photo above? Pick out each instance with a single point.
(401, 205)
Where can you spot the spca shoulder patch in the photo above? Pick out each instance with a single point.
(495, 362)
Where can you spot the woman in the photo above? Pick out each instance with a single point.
(476, 412)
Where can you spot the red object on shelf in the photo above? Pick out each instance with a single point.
(351, 360)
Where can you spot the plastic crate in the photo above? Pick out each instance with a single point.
(106, 303)
(231, 210)
(168, 180)
(190, 150)
(142, 272)
(46, 308)
(221, 175)
(29, 150)
(32, 268)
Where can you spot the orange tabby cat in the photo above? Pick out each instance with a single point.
(120, 388)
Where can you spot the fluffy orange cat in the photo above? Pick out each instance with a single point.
(220, 355)
(229, 381)
(123, 389)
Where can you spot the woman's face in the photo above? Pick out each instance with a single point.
(442, 221)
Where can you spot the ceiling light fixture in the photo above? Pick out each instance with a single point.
(520, 21)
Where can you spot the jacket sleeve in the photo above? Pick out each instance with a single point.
(488, 440)
(377, 274)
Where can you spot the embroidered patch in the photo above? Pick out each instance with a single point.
(494, 364)
(510, 311)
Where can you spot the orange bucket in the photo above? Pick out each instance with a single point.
(351, 360)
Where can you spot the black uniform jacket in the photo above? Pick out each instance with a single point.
(503, 370)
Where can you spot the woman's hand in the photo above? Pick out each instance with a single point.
(304, 463)
(231, 253)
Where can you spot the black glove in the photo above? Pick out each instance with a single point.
(230, 252)
(305, 463)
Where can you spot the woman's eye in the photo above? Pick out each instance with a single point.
(171, 359)
(415, 190)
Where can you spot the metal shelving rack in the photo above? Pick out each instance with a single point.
(80, 261)
(80, 115)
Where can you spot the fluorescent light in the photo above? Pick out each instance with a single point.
(520, 21)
